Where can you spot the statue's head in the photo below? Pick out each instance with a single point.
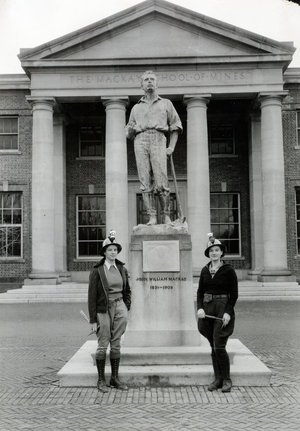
(149, 81)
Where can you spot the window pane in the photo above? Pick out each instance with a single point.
(7, 200)
(16, 200)
(10, 235)
(13, 241)
(7, 217)
(225, 220)
(298, 212)
(2, 242)
(17, 217)
(91, 229)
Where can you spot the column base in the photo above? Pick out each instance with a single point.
(64, 276)
(42, 278)
(276, 275)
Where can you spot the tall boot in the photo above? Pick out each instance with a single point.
(101, 384)
(218, 382)
(114, 380)
(225, 371)
(149, 203)
(164, 200)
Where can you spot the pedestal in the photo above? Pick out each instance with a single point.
(162, 311)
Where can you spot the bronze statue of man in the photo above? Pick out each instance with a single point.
(153, 120)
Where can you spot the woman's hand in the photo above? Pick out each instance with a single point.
(226, 319)
(94, 327)
(201, 313)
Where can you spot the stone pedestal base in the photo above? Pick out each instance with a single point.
(162, 311)
(165, 366)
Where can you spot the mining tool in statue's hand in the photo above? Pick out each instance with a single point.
(182, 218)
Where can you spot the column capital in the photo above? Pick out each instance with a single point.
(196, 99)
(45, 103)
(271, 96)
(111, 102)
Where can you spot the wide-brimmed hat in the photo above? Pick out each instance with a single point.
(212, 241)
(110, 240)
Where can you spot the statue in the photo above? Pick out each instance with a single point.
(153, 121)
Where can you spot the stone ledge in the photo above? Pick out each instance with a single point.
(246, 369)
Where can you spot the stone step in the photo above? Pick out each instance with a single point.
(179, 355)
(185, 367)
(77, 292)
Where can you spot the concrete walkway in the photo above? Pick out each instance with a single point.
(37, 339)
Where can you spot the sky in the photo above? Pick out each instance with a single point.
(29, 23)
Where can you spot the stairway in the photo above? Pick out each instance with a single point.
(77, 292)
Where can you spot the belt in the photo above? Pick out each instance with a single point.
(208, 297)
(151, 131)
(220, 296)
(115, 300)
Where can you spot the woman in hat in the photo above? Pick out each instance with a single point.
(109, 299)
(216, 297)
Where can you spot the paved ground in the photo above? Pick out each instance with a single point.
(37, 339)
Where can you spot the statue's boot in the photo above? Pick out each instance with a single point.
(164, 200)
(149, 204)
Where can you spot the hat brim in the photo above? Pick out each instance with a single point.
(222, 247)
(119, 247)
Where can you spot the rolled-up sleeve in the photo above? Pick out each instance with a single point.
(174, 121)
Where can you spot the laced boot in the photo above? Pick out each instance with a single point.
(114, 380)
(101, 384)
(225, 371)
(218, 382)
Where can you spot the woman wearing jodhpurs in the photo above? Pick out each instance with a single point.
(109, 299)
(216, 296)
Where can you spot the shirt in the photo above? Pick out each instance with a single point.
(159, 115)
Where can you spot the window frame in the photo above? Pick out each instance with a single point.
(101, 143)
(7, 225)
(239, 255)
(297, 220)
(78, 256)
(298, 128)
(11, 150)
(213, 125)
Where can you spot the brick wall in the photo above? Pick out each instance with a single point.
(16, 169)
(292, 171)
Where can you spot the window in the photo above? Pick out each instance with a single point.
(298, 128)
(221, 139)
(91, 221)
(91, 141)
(10, 225)
(298, 218)
(143, 217)
(8, 133)
(225, 220)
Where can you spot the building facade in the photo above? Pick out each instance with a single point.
(68, 175)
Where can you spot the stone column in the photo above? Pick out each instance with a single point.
(60, 195)
(274, 217)
(256, 202)
(43, 216)
(198, 190)
(116, 172)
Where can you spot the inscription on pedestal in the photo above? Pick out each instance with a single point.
(161, 256)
